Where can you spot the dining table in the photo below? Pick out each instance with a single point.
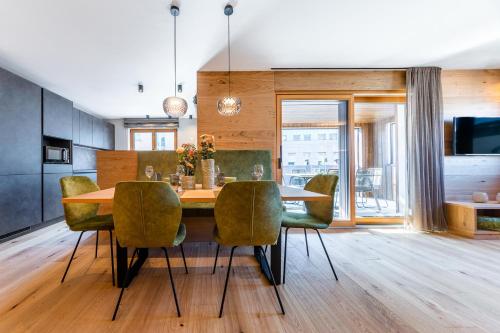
(196, 195)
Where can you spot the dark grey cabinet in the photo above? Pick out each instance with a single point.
(97, 132)
(57, 116)
(52, 206)
(20, 125)
(109, 136)
(85, 129)
(76, 126)
(20, 202)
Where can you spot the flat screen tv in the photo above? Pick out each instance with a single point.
(476, 136)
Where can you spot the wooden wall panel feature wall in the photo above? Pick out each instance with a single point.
(255, 126)
(340, 80)
(473, 93)
(114, 167)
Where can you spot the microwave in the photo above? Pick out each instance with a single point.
(56, 155)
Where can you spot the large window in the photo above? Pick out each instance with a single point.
(153, 139)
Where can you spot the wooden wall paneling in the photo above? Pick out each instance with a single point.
(340, 80)
(470, 93)
(255, 126)
(114, 167)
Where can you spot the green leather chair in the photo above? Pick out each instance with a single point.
(247, 213)
(319, 214)
(83, 217)
(148, 215)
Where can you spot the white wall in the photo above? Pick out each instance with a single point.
(186, 133)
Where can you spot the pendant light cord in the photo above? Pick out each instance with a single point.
(229, 55)
(175, 56)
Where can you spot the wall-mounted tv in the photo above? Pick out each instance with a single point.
(476, 135)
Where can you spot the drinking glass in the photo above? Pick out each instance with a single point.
(258, 171)
(217, 170)
(149, 171)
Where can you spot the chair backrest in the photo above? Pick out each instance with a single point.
(146, 214)
(78, 212)
(364, 178)
(324, 184)
(377, 177)
(249, 213)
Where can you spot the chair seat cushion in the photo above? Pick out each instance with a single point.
(488, 223)
(98, 222)
(302, 220)
(181, 234)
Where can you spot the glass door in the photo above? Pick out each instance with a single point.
(314, 140)
(379, 186)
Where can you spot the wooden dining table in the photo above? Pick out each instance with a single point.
(197, 195)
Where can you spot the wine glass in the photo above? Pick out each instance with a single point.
(149, 171)
(258, 171)
(217, 170)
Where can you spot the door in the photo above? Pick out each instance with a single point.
(314, 139)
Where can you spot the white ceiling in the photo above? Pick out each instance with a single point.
(94, 52)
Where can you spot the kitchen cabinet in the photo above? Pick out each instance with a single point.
(97, 133)
(109, 136)
(20, 202)
(85, 129)
(76, 126)
(57, 116)
(20, 125)
(52, 206)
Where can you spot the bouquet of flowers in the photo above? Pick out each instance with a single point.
(188, 155)
(207, 147)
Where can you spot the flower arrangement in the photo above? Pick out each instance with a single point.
(187, 155)
(207, 147)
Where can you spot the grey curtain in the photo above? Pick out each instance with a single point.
(425, 149)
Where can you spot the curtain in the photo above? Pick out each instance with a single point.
(425, 149)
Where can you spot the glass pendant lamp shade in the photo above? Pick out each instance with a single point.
(175, 106)
(229, 106)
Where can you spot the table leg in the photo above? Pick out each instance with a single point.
(122, 264)
(276, 267)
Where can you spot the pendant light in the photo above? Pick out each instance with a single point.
(175, 106)
(229, 105)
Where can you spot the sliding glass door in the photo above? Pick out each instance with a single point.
(314, 140)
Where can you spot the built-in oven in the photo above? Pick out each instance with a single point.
(56, 155)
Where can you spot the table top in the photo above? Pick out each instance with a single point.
(198, 195)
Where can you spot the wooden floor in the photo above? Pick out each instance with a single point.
(390, 281)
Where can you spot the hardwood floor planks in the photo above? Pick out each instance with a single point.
(390, 281)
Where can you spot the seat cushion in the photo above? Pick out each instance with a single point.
(488, 223)
(181, 234)
(302, 220)
(98, 222)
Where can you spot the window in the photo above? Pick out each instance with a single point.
(322, 136)
(284, 138)
(358, 141)
(296, 137)
(153, 139)
(307, 137)
(306, 155)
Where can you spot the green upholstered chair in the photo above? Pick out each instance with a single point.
(319, 214)
(247, 213)
(148, 215)
(83, 217)
(488, 223)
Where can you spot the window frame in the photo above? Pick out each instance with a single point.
(153, 131)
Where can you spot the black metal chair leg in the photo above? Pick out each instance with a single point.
(265, 249)
(184, 258)
(124, 284)
(96, 242)
(327, 256)
(274, 282)
(227, 280)
(284, 256)
(112, 256)
(172, 282)
(72, 255)
(307, 245)
(216, 256)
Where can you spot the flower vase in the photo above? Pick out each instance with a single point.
(208, 172)
(188, 183)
